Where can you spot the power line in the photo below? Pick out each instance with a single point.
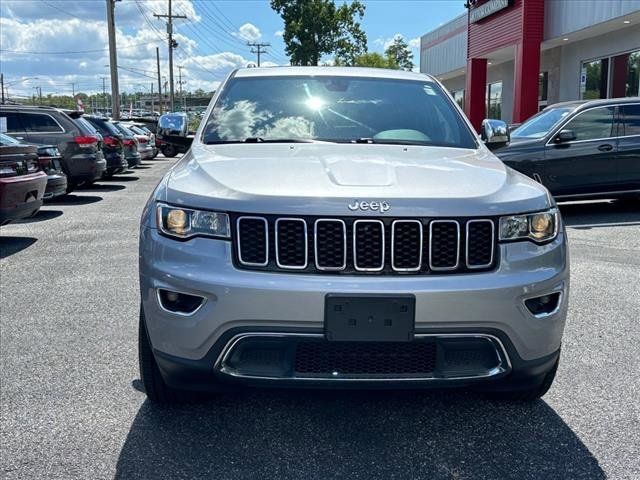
(69, 52)
(61, 10)
(258, 49)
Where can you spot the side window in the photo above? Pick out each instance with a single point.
(13, 122)
(34, 122)
(592, 124)
(631, 116)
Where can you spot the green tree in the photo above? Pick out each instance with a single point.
(370, 59)
(313, 28)
(400, 52)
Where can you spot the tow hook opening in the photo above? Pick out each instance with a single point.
(544, 305)
(179, 303)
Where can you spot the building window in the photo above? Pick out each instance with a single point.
(458, 96)
(494, 100)
(595, 76)
(633, 75)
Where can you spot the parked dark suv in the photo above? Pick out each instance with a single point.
(112, 145)
(82, 158)
(580, 149)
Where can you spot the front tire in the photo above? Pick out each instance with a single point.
(154, 385)
(169, 151)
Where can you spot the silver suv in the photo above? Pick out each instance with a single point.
(346, 227)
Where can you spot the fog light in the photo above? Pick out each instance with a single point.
(544, 305)
(179, 303)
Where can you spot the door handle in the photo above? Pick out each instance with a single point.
(606, 147)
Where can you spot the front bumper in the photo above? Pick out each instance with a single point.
(56, 186)
(248, 300)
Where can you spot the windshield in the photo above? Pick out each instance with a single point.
(337, 109)
(7, 140)
(172, 122)
(539, 125)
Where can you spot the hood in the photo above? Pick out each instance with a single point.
(323, 178)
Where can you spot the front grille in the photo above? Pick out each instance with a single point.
(365, 358)
(364, 245)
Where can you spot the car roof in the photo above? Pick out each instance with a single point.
(290, 71)
(582, 104)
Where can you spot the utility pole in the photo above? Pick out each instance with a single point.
(104, 95)
(153, 107)
(113, 59)
(39, 90)
(259, 50)
(2, 86)
(172, 44)
(159, 84)
(180, 67)
(73, 89)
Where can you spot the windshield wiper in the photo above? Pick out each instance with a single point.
(388, 141)
(261, 140)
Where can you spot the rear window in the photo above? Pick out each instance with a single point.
(84, 126)
(105, 127)
(13, 122)
(40, 123)
(337, 109)
(137, 130)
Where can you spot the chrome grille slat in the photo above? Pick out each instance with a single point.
(360, 238)
(438, 267)
(316, 254)
(239, 241)
(491, 249)
(291, 266)
(394, 224)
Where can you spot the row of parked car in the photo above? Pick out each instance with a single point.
(47, 152)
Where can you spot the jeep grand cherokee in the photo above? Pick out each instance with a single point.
(346, 227)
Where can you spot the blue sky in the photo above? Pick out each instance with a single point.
(35, 33)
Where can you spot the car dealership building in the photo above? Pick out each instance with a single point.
(508, 59)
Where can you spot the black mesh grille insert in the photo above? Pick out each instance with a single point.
(479, 243)
(291, 243)
(365, 358)
(330, 246)
(369, 244)
(406, 244)
(445, 243)
(252, 233)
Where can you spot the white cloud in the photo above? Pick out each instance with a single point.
(279, 33)
(386, 42)
(414, 42)
(249, 32)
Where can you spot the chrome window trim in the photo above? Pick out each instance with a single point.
(503, 366)
(180, 314)
(493, 243)
(266, 231)
(355, 257)
(393, 235)
(315, 244)
(306, 245)
(443, 269)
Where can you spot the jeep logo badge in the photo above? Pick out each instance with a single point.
(381, 207)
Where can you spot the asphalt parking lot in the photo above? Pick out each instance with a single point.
(71, 405)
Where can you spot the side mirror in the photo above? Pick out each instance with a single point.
(564, 136)
(494, 133)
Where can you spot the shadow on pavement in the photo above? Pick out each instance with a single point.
(143, 167)
(11, 245)
(349, 434)
(103, 188)
(120, 179)
(75, 200)
(607, 213)
(41, 216)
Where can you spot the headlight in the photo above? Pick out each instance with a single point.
(32, 166)
(186, 222)
(539, 227)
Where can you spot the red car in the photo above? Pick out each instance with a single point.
(22, 182)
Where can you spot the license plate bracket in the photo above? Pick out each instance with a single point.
(369, 318)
